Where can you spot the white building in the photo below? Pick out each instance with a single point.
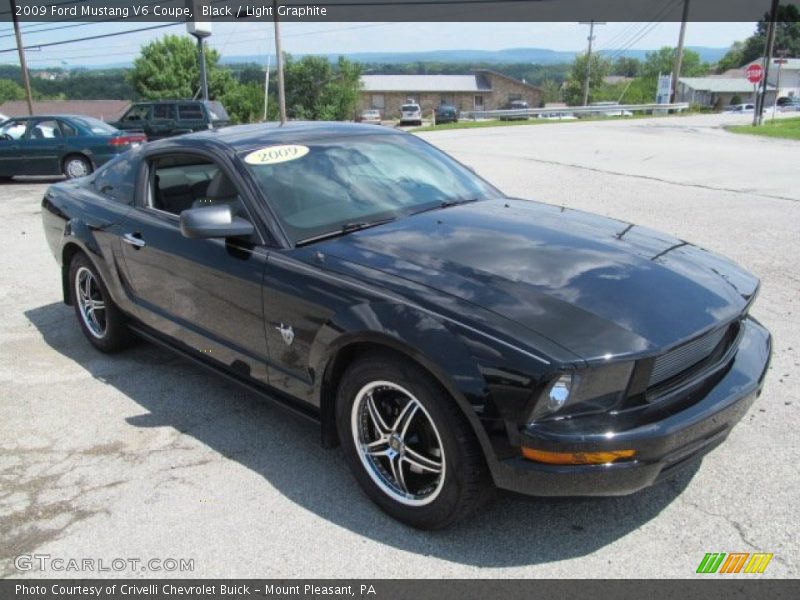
(719, 92)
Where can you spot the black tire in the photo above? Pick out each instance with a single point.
(463, 483)
(108, 332)
(76, 165)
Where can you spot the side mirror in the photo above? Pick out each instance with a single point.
(214, 222)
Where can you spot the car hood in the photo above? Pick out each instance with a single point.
(594, 285)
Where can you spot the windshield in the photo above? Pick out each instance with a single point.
(96, 126)
(217, 112)
(330, 183)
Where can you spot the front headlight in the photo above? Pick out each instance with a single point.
(584, 391)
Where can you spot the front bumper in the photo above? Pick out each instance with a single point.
(663, 442)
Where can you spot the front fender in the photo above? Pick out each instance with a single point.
(412, 333)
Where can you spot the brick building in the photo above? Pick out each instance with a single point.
(481, 90)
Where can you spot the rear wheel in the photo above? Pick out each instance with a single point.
(102, 322)
(76, 165)
(407, 443)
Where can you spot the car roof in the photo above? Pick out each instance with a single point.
(50, 116)
(171, 100)
(243, 138)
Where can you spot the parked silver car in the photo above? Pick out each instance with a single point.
(410, 114)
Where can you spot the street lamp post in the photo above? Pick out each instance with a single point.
(200, 30)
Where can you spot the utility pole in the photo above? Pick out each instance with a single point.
(266, 90)
(279, 64)
(773, 25)
(26, 82)
(676, 68)
(591, 25)
(200, 30)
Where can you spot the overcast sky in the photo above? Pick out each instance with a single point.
(247, 38)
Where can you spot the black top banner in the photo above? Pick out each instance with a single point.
(336, 11)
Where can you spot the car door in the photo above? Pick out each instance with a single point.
(191, 116)
(137, 118)
(204, 294)
(162, 120)
(42, 146)
(11, 160)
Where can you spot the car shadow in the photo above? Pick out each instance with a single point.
(285, 450)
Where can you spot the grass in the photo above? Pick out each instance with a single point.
(788, 129)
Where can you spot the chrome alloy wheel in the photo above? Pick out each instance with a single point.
(398, 443)
(91, 303)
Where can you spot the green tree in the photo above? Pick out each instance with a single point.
(626, 66)
(573, 89)
(733, 59)
(551, 91)
(662, 61)
(318, 90)
(10, 90)
(245, 102)
(168, 68)
(787, 35)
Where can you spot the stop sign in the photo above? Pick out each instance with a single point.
(755, 73)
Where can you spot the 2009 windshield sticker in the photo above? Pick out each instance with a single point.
(272, 155)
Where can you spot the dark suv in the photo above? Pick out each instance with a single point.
(446, 113)
(165, 118)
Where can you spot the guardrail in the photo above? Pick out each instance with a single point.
(609, 110)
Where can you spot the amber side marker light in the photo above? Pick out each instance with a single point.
(576, 458)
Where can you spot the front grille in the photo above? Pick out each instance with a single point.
(686, 356)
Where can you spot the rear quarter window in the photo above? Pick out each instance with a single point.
(115, 180)
(190, 112)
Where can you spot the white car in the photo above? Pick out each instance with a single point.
(612, 113)
(740, 108)
(558, 116)
(410, 114)
(371, 116)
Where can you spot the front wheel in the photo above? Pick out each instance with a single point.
(102, 322)
(76, 166)
(407, 443)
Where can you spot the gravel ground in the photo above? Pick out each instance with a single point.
(143, 455)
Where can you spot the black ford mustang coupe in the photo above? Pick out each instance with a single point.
(448, 337)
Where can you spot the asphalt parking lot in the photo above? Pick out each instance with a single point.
(143, 455)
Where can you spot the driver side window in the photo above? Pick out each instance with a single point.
(178, 183)
(137, 113)
(13, 130)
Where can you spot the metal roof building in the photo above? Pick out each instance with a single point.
(425, 83)
(483, 89)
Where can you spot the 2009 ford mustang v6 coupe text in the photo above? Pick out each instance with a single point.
(449, 338)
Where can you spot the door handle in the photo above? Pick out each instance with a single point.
(134, 240)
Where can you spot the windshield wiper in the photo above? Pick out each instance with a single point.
(345, 229)
(445, 204)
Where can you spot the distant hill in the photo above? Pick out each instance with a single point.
(540, 56)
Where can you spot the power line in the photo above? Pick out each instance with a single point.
(239, 41)
(644, 31)
(93, 37)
